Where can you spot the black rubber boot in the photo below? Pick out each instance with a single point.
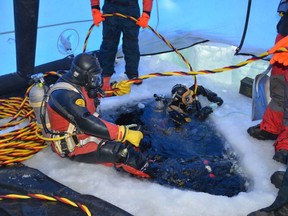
(135, 159)
(259, 134)
(280, 206)
(136, 81)
(277, 178)
(281, 156)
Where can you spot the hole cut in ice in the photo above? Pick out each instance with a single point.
(193, 156)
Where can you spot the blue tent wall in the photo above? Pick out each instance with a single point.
(178, 21)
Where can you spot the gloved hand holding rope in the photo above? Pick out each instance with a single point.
(121, 88)
(282, 56)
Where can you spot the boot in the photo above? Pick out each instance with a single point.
(280, 206)
(106, 84)
(277, 178)
(281, 156)
(259, 134)
(135, 162)
(136, 80)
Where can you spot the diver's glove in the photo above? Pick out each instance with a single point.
(132, 136)
(211, 96)
(143, 20)
(215, 99)
(122, 87)
(280, 57)
(204, 113)
(97, 16)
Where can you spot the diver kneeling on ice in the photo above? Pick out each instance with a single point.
(72, 112)
(185, 104)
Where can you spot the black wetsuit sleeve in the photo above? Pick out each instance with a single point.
(210, 95)
(63, 102)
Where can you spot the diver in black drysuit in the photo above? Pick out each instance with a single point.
(185, 104)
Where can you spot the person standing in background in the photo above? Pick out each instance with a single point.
(274, 125)
(113, 26)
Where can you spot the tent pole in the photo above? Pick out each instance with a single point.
(26, 22)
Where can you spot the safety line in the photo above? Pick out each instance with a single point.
(43, 197)
(178, 73)
(152, 29)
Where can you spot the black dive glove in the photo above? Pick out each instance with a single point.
(204, 113)
(211, 96)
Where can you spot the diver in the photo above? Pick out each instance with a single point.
(184, 103)
(71, 107)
